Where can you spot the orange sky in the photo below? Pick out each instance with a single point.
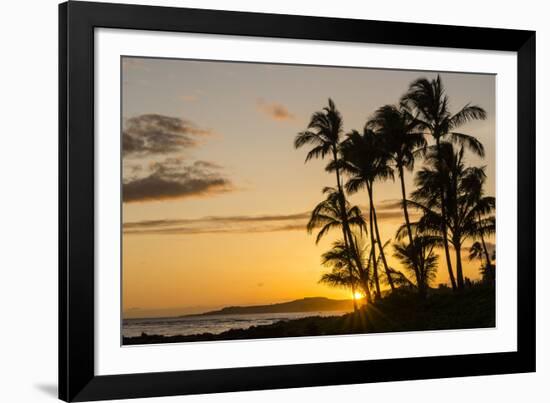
(216, 197)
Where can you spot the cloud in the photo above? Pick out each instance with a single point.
(158, 134)
(274, 110)
(390, 210)
(242, 224)
(221, 224)
(389, 204)
(216, 219)
(172, 179)
(217, 230)
(392, 215)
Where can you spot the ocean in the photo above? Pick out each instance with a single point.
(214, 324)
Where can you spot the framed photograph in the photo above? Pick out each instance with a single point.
(256, 201)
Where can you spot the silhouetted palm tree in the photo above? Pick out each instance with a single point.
(323, 133)
(342, 273)
(365, 161)
(476, 252)
(398, 278)
(487, 270)
(446, 169)
(329, 215)
(474, 182)
(418, 256)
(431, 105)
(403, 141)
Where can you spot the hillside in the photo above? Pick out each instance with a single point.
(315, 304)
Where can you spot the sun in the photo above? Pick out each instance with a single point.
(357, 295)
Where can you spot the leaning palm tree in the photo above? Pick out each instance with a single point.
(431, 105)
(329, 215)
(403, 141)
(365, 161)
(323, 133)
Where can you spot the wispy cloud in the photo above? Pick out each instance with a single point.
(274, 110)
(389, 204)
(173, 179)
(217, 219)
(151, 134)
(238, 223)
(221, 225)
(217, 230)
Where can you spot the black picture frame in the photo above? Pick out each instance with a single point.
(77, 379)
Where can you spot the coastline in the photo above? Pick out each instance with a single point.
(397, 313)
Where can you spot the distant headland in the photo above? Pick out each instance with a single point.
(312, 304)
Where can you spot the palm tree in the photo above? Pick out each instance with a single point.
(397, 277)
(328, 215)
(486, 269)
(474, 182)
(431, 105)
(324, 132)
(403, 142)
(462, 210)
(344, 274)
(476, 252)
(342, 271)
(339, 276)
(420, 257)
(365, 161)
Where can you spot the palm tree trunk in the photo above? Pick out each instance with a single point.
(382, 254)
(444, 221)
(484, 245)
(419, 283)
(357, 256)
(353, 291)
(373, 255)
(348, 238)
(366, 288)
(459, 274)
(350, 263)
(423, 285)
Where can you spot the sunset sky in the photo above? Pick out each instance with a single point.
(215, 197)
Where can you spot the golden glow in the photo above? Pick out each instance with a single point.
(358, 295)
